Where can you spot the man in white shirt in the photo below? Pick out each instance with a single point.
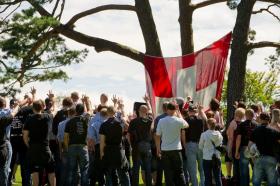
(168, 142)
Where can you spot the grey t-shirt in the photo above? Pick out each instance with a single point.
(169, 128)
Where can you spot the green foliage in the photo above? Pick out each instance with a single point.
(259, 87)
(31, 51)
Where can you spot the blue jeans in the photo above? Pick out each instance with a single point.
(194, 159)
(208, 169)
(77, 155)
(244, 169)
(4, 171)
(265, 167)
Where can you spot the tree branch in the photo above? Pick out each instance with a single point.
(101, 45)
(39, 43)
(55, 7)
(271, 1)
(11, 3)
(99, 9)
(263, 44)
(267, 10)
(207, 3)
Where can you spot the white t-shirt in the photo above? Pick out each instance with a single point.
(169, 128)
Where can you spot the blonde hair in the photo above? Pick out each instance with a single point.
(275, 116)
(239, 113)
(211, 122)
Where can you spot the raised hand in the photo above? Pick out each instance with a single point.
(115, 99)
(50, 94)
(33, 91)
(146, 98)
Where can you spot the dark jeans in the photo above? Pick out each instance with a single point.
(19, 151)
(173, 168)
(159, 172)
(143, 159)
(236, 171)
(97, 174)
(54, 147)
(116, 177)
(208, 170)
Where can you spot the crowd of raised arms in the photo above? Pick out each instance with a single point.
(77, 145)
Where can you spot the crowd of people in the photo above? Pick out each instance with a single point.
(79, 145)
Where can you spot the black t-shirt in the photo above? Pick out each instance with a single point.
(195, 129)
(60, 116)
(112, 130)
(19, 120)
(77, 129)
(140, 130)
(266, 140)
(38, 127)
(245, 129)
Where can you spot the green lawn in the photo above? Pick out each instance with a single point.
(18, 177)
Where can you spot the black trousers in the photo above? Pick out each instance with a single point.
(173, 168)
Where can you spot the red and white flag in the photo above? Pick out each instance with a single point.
(199, 75)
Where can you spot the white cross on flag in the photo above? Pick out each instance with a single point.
(199, 75)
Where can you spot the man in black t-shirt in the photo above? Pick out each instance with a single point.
(112, 150)
(193, 153)
(265, 139)
(75, 141)
(18, 146)
(36, 138)
(140, 137)
(244, 132)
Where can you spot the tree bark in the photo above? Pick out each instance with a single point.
(238, 57)
(148, 26)
(186, 30)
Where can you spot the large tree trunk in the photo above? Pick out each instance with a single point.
(238, 57)
(186, 30)
(148, 26)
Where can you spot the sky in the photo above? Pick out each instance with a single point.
(114, 74)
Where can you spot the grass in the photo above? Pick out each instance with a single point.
(18, 176)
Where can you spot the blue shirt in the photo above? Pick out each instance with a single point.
(94, 126)
(61, 128)
(6, 112)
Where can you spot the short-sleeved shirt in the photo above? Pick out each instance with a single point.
(266, 140)
(140, 130)
(94, 127)
(77, 128)
(60, 116)
(5, 122)
(112, 130)
(195, 129)
(157, 120)
(169, 128)
(245, 129)
(38, 127)
(61, 128)
(19, 120)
